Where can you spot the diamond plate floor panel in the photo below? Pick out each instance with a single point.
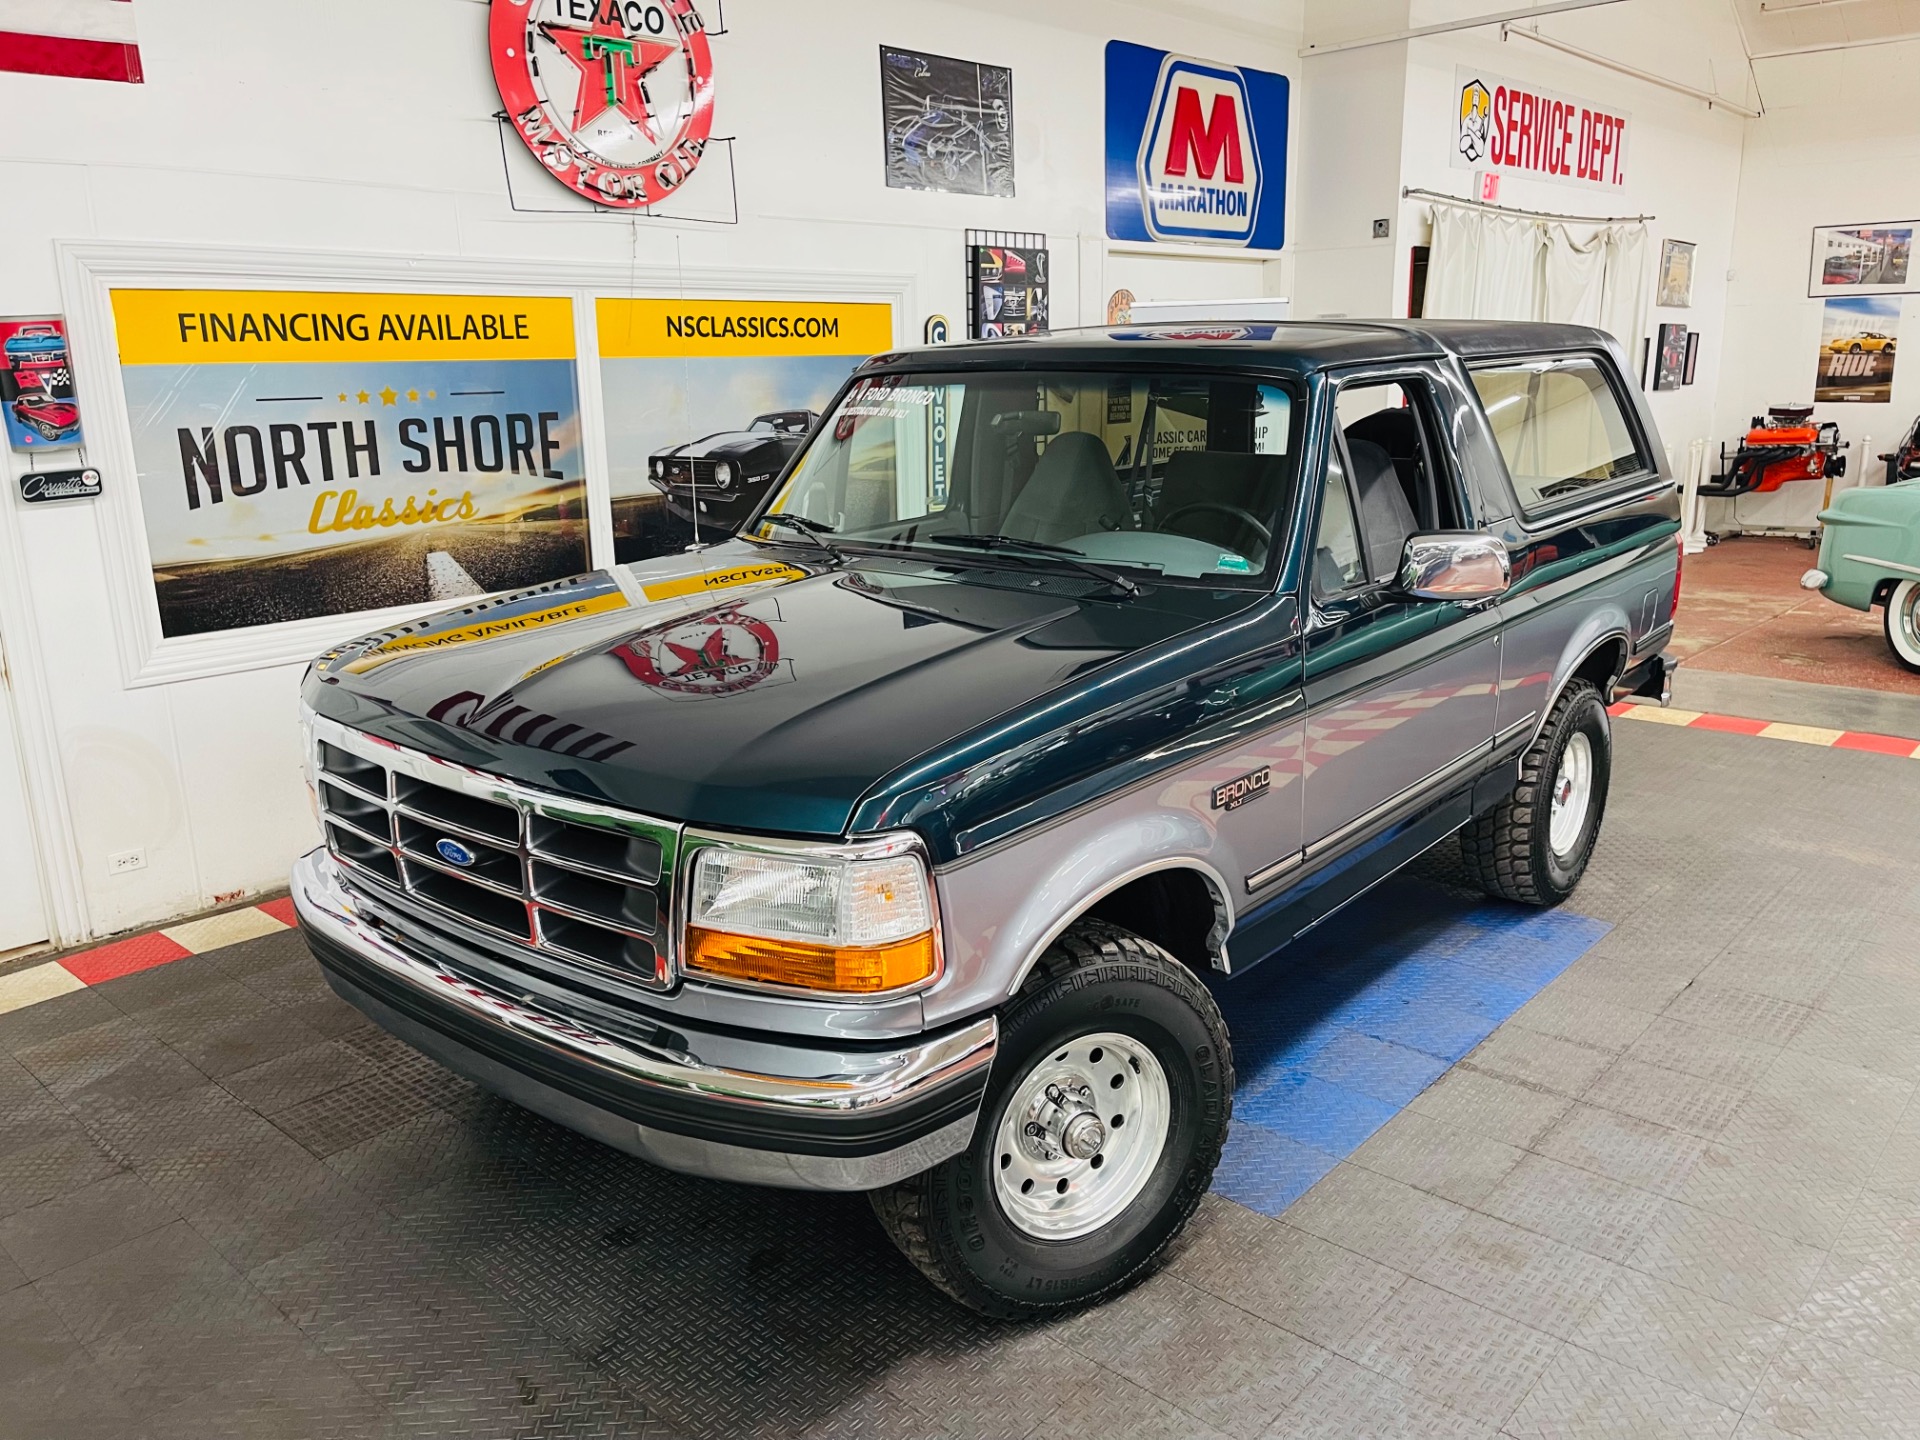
(1655, 1172)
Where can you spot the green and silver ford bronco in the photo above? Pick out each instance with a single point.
(896, 843)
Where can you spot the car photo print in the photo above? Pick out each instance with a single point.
(899, 843)
(51, 419)
(725, 476)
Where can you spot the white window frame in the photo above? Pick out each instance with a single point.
(90, 271)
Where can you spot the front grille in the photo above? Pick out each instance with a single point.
(581, 883)
(690, 472)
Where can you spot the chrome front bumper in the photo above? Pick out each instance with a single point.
(762, 1112)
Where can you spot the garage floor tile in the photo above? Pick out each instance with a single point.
(1520, 1175)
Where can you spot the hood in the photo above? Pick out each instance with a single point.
(727, 442)
(745, 688)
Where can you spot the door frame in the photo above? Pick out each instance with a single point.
(49, 817)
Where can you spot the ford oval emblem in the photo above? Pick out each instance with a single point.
(454, 853)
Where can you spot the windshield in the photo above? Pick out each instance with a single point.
(1184, 476)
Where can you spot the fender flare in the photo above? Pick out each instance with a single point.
(1586, 649)
(1217, 890)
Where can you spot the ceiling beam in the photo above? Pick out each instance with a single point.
(1448, 27)
(1712, 100)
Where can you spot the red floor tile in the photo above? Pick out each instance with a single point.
(123, 957)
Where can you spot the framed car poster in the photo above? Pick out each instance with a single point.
(36, 384)
(305, 454)
(1676, 275)
(1008, 285)
(1875, 259)
(707, 400)
(1670, 358)
(949, 124)
(1859, 344)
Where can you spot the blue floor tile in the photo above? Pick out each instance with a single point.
(1379, 1068)
(1334, 1035)
(1268, 1172)
(1316, 1112)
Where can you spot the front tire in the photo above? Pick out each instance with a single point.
(1534, 846)
(1903, 623)
(1102, 1124)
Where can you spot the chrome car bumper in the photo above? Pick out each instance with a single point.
(761, 1112)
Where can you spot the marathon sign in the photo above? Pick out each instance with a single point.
(1196, 151)
(1510, 128)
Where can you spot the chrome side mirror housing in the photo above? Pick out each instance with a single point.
(1455, 565)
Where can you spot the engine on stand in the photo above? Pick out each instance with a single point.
(1782, 446)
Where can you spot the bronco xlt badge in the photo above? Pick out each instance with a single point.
(1251, 786)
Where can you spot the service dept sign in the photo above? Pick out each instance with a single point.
(1196, 151)
(1507, 127)
(614, 97)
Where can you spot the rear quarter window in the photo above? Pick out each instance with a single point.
(1560, 428)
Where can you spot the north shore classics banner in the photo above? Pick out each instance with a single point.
(304, 454)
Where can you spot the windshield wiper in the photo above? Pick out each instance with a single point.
(815, 531)
(1066, 554)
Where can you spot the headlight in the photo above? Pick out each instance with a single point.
(658, 469)
(858, 925)
(723, 474)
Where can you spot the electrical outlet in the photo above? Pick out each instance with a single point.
(126, 862)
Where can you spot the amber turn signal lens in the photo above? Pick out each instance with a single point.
(849, 970)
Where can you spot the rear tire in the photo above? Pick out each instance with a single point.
(1533, 847)
(1903, 624)
(1021, 1224)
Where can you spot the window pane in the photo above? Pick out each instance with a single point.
(1186, 475)
(1337, 564)
(1559, 426)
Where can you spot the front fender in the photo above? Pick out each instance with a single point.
(1006, 905)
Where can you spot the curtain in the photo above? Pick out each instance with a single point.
(1483, 267)
(1490, 266)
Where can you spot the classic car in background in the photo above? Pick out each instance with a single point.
(50, 418)
(1870, 555)
(723, 476)
(35, 344)
(1866, 340)
(1903, 461)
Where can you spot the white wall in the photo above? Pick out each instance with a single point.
(1683, 169)
(365, 127)
(1817, 158)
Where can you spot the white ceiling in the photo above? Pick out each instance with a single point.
(1780, 27)
(1764, 27)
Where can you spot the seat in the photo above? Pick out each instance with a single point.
(1397, 432)
(1073, 491)
(1385, 516)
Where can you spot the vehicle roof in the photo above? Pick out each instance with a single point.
(1297, 345)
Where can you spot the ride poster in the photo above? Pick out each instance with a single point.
(707, 400)
(949, 124)
(1859, 341)
(306, 454)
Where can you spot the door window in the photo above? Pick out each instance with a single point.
(1338, 564)
(1560, 427)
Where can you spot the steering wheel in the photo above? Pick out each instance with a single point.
(1245, 517)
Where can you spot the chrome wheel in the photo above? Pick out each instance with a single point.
(1080, 1136)
(1903, 623)
(1572, 795)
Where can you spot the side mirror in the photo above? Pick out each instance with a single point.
(1455, 565)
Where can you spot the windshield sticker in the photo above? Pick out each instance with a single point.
(721, 580)
(1237, 564)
